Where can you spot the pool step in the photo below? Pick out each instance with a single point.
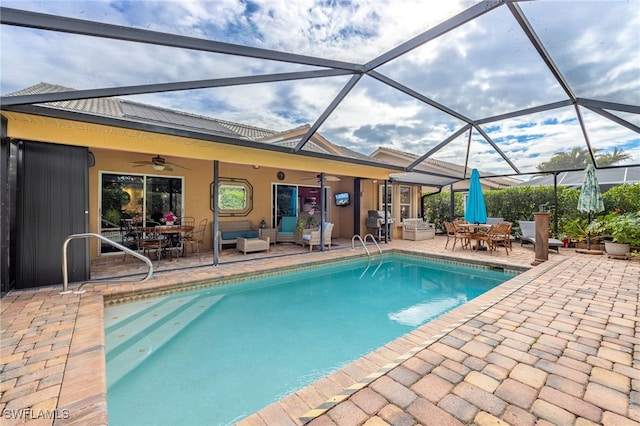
(116, 314)
(130, 342)
(126, 325)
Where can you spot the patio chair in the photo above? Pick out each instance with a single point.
(287, 229)
(528, 235)
(456, 234)
(155, 243)
(196, 237)
(187, 221)
(509, 237)
(500, 235)
(312, 238)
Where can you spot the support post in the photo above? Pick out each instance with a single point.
(542, 238)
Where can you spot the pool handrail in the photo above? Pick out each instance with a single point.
(357, 236)
(374, 242)
(353, 246)
(65, 274)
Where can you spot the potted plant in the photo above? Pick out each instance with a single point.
(170, 218)
(623, 229)
(305, 223)
(579, 230)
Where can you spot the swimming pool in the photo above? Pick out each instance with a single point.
(217, 355)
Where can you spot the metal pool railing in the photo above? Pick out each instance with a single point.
(65, 273)
(363, 242)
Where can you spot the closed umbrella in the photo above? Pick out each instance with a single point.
(590, 200)
(476, 212)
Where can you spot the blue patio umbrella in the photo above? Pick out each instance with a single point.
(590, 200)
(476, 212)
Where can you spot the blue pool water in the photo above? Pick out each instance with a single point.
(217, 355)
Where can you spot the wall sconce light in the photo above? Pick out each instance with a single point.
(255, 166)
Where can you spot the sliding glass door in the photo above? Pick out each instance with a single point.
(129, 201)
(297, 200)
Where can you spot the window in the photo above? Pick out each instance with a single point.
(235, 197)
(405, 202)
(389, 202)
(135, 200)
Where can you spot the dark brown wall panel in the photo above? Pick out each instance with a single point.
(52, 204)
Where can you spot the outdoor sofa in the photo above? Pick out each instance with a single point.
(417, 229)
(230, 231)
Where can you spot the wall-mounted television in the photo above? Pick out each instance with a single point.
(343, 199)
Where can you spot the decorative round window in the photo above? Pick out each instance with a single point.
(280, 175)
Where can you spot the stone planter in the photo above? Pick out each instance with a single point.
(617, 249)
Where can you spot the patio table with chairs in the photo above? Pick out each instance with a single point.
(163, 239)
(486, 236)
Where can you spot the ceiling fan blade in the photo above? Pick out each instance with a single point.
(178, 166)
(159, 163)
(327, 178)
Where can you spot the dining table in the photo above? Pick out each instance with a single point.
(173, 233)
(476, 232)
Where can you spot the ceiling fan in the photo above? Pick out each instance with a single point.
(327, 178)
(158, 163)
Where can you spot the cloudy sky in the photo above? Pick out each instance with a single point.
(484, 68)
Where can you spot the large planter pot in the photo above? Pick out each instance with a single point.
(617, 249)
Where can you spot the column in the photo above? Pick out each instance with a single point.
(542, 238)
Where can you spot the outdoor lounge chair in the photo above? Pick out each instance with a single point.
(528, 235)
(312, 238)
(287, 229)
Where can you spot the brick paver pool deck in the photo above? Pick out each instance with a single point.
(558, 344)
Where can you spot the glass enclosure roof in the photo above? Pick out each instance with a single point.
(507, 87)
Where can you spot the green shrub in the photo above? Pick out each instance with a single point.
(520, 203)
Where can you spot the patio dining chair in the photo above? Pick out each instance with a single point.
(499, 235)
(142, 237)
(187, 221)
(196, 237)
(509, 228)
(154, 243)
(456, 234)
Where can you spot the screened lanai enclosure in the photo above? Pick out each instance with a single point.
(507, 87)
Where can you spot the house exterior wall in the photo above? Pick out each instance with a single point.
(196, 192)
(115, 148)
